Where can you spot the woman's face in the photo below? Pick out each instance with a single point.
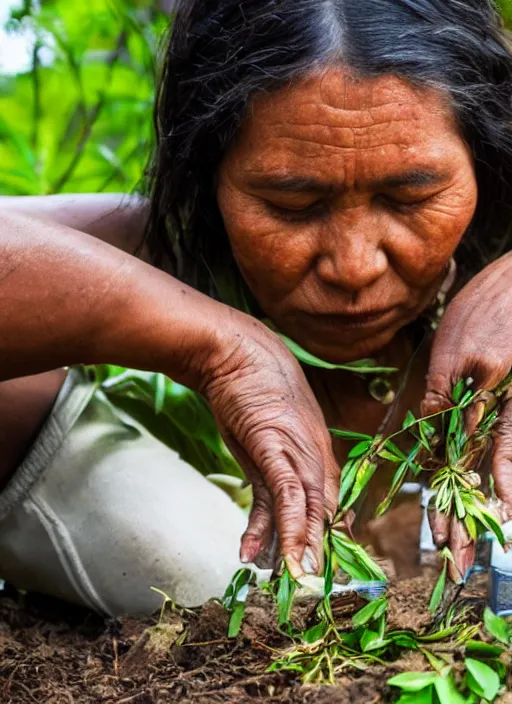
(344, 200)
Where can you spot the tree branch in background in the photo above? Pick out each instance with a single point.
(92, 117)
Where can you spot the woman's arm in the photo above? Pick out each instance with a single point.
(115, 218)
(69, 298)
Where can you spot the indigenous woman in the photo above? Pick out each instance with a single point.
(331, 170)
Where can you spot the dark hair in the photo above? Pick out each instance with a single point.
(222, 52)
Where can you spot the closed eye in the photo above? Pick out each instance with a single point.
(404, 203)
(291, 213)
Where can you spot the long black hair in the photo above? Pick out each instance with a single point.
(222, 52)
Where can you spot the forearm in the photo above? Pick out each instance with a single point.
(115, 218)
(68, 298)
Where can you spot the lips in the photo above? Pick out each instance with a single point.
(360, 319)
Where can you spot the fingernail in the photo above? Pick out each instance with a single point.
(249, 550)
(439, 538)
(294, 567)
(309, 563)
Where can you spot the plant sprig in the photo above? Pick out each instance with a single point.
(442, 450)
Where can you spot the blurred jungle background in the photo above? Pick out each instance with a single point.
(77, 83)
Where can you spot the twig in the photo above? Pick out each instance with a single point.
(115, 648)
(206, 643)
(36, 87)
(92, 118)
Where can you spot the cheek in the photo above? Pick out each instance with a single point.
(272, 258)
(437, 232)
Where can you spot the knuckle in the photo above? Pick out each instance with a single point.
(439, 383)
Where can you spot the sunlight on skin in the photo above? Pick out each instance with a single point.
(344, 200)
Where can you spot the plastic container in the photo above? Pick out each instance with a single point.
(483, 554)
(500, 579)
(428, 551)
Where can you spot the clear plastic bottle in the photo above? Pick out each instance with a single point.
(483, 553)
(428, 549)
(500, 581)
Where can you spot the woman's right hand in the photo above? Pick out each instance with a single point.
(104, 305)
(273, 424)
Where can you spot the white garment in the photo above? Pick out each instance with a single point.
(100, 511)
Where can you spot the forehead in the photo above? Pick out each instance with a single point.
(338, 121)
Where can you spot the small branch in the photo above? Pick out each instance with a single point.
(93, 116)
(36, 89)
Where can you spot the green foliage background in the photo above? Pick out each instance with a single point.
(84, 122)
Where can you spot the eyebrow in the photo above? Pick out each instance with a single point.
(418, 178)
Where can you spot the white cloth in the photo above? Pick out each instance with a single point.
(100, 511)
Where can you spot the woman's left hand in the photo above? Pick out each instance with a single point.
(474, 340)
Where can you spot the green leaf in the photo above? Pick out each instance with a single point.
(160, 392)
(354, 560)
(413, 681)
(404, 640)
(372, 610)
(425, 696)
(235, 598)
(458, 390)
(439, 635)
(328, 569)
(236, 619)
(409, 421)
(365, 472)
(359, 449)
(437, 593)
(396, 484)
(315, 634)
(238, 588)
(285, 595)
(350, 435)
(461, 511)
(348, 476)
(490, 522)
(370, 640)
(363, 366)
(471, 527)
(483, 650)
(389, 456)
(447, 691)
(485, 677)
(497, 627)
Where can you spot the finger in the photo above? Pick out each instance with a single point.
(473, 417)
(258, 538)
(332, 484)
(438, 394)
(463, 550)
(295, 477)
(256, 543)
(440, 526)
(502, 458)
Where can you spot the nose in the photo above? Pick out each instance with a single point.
(352, 256)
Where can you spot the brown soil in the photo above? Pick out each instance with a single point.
(56, 654)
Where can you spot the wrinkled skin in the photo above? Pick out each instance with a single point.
(475, 340)
(274, 426)
(344, 200)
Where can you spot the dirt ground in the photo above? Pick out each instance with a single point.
(55, 654)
